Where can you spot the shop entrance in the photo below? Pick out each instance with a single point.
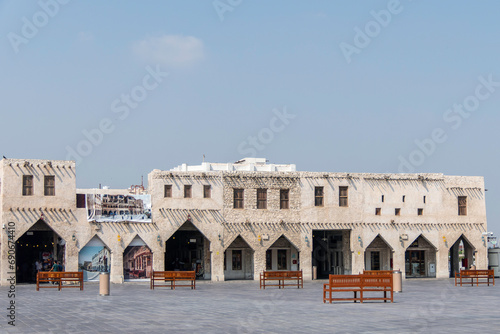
(420, 259)
(378, 255)
(328, 255)
(282, 255)
(188, 249)
(39, 244)
(238, 260)
(415, 263)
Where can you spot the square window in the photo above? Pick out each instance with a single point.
(318, 196)
(49, 185)
(187, 191)
(343, 201)
(284, 199)
(261, 198)
(377, 211)
(27, 185)
(462, 205)
(207, 191)
(420, 212)
(167, 190)
(398, 212)
(238, 199)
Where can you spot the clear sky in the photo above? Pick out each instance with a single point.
(341, 86)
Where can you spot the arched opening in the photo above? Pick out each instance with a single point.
(93, 259)
(137, 260)
(282, 255)
(238, 260)
(331, 253)
(39, 246)
(378, 255)
(188, 250)
(460, 256)
(420, 259)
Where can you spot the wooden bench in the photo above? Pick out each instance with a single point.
(364, 284)
(481, 276)
(59, 277)
(175, 278)
(281, 277)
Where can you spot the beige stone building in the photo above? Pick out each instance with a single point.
(232, 221)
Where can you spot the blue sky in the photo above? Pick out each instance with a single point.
(232, 68)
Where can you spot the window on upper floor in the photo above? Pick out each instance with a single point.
(81, 201)
(27, 185)
(343, 199)
(318, 196)
(404, 198)
(383, 198)
(49, 185)
(238, 199)
(462, 205)
(167, 192)
(207, 191)
(188, 191)
(425, 199)
(261, 198)
(284, 198)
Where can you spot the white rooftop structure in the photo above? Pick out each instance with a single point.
(246, 165)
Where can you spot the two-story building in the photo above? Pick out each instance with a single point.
(234, 220)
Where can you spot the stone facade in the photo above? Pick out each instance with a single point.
(330, 222)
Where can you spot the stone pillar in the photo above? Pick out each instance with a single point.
(158, 259)
(71, 253)
(259, 262)
(306, 257)
(217, 262)
(116, 275)
(398, 259)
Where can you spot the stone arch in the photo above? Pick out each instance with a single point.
(40, 245)
(420, 258)
(187, 249)
(282, 254)
(461, 255)
(93, 258)
(239, 260)
(137, 259)
(378, 254)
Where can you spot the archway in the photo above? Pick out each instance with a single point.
(93, 259)
(461, 255)
(420, 259)
(238, 260)
(137, 260)
(188, 249)
(331, 253)
(378, 255)
(39, 244)
(282, 255)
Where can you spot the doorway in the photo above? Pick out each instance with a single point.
(328, 255)
(415, 263)
(186, 251)
(40, 243)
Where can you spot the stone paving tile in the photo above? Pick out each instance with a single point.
(428, 306)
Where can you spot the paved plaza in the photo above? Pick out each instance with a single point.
(425, 305)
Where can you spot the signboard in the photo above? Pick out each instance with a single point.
(105, 208)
